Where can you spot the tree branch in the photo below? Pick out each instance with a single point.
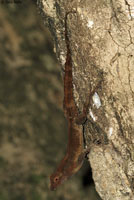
(102, 44)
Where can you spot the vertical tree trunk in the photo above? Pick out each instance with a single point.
(102, 45)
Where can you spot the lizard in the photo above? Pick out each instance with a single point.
(75, 153)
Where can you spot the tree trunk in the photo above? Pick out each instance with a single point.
(102, 45)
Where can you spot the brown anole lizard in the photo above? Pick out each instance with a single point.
(75, 154)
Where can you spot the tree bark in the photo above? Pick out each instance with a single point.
(102, 45)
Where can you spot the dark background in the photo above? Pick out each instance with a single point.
(33, 130)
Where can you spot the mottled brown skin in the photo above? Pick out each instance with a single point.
(71, 162)
(74, 157)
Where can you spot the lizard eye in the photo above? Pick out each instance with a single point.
(56, 179)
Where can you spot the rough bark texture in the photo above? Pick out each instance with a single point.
(102, 45)
(31, 114)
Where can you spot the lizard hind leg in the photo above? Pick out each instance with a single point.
(82, 117)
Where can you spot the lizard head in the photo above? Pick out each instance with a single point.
(65, 170)
(56, 179)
